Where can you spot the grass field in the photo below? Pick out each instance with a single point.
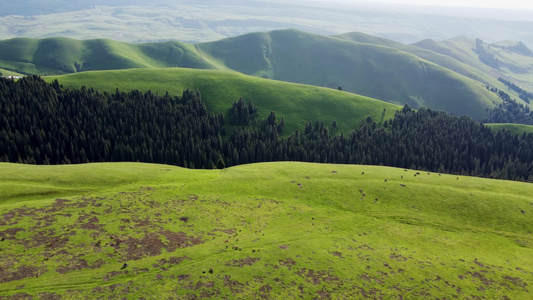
(514, 128)
(279, 230)
(295, 102)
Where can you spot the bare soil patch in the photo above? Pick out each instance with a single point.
(20, 273)
(317, 277)
(248, 261)
(233, 285)
(289, 262)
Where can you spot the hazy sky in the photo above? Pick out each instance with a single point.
(511, 4)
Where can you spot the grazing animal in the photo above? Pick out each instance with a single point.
(362, 173)
(125, 265)
(403, 185)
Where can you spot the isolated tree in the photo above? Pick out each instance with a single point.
(221, 164)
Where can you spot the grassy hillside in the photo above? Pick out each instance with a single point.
(63, 56)
(279, 230)
(512, 64)
(436, 57)
(372, 70)
(295, 102)
(514, 128)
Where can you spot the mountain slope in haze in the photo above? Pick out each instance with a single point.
(372, 70)
(63, 55)
(433, 56)
(271, 230)
(512, 61)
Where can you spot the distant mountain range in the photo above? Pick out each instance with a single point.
(451, 75)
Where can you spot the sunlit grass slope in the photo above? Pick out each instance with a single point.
(514, 128)
(63, 55)
(436, 57)
(513, 65)
(274, 230)
(372, 70)
(295, 102)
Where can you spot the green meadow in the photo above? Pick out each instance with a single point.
(271, 230)
(513, 128)
(296, 103)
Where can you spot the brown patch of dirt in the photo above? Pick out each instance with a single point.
(10, 233)
(151, 244)
(398, 257)
(248, 261)
(317, 277)
(227, 231)
(289, 263)
(22, 297)
(113, 274)
(337, 254)
(72, 265)
(92, 224)
(515, 280)
(284, 247)
(182, 277)
(369, 278)
(21, 273)
(200, 285)
(321, 294)
(365, 247)
(233, 285)
(48, 296)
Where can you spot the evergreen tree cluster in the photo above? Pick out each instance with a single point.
(241, 113)
(509, 111)
(424, 140)
(524, 95)
(46, 124)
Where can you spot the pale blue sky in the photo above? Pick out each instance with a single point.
(511, 4)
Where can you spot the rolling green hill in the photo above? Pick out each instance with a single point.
(512, 61)
(372, 70)
(63, 56)
(436, 57)
(272, 230)
(297, 103)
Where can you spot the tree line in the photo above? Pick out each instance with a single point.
(44, 123)
(509, 111)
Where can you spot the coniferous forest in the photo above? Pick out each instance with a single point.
(43, 123)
